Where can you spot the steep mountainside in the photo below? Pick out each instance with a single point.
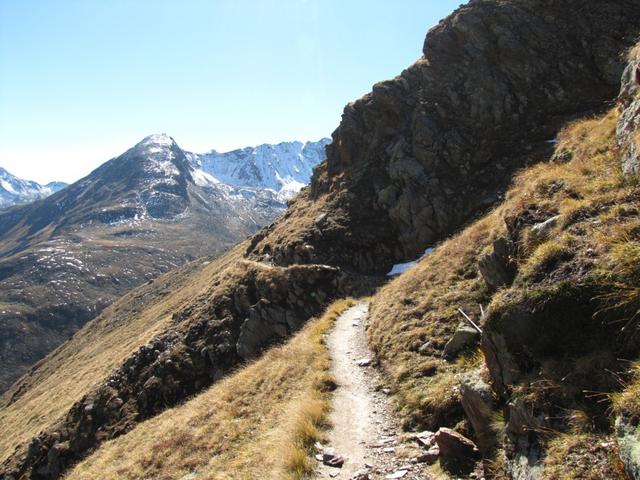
(63, 259)
(425, 152)
(284, 168)
(410, 163)
(14, 190)
(551, 278)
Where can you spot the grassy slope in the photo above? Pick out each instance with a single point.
(257, 423)
(273, 405)
(596, 241)
(69, 372)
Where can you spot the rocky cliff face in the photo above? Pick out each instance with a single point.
(551, 277)
(424, 152)
(628, 137)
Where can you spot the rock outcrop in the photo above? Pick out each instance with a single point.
(497, 267)
(628, 136)
(628, 131)
(455, 447)
(263, 305)
(425, 152)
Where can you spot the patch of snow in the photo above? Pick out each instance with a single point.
(157, 139)
(7, 186)
(203, 179)
(403, 267)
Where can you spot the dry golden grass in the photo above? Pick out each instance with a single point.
(627, 402)
(588, 457)
(260, 422)
(415, 315)
(300, 217)
(44, 395)
(544, 256)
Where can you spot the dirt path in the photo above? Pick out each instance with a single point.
(365, 431)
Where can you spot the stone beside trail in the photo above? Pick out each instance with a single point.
(365, 431)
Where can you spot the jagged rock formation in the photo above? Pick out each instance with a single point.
(424, 152)
(410, 163)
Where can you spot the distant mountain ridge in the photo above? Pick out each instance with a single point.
(66, 257)
(285, 167)
(14, 190)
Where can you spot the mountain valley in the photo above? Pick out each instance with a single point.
(141, 214)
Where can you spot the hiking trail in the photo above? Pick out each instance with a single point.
(365, 430)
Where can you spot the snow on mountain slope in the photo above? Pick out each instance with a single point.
(152, 209)
(14, 190)
(284, 168)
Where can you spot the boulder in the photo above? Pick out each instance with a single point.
(463, 337)
(55, 462)
(498, 268)
(430, 456)
(425, 439)
(455, 446)
(476, 398)
(542, 231)
(332, 458)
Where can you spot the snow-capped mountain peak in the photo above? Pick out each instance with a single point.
(284, 168)
(14, 190)
(156, 142)
(156, 157)
(156, 166)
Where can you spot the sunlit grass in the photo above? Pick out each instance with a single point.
(260, 422)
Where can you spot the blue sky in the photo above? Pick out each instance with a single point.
(83, 80)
